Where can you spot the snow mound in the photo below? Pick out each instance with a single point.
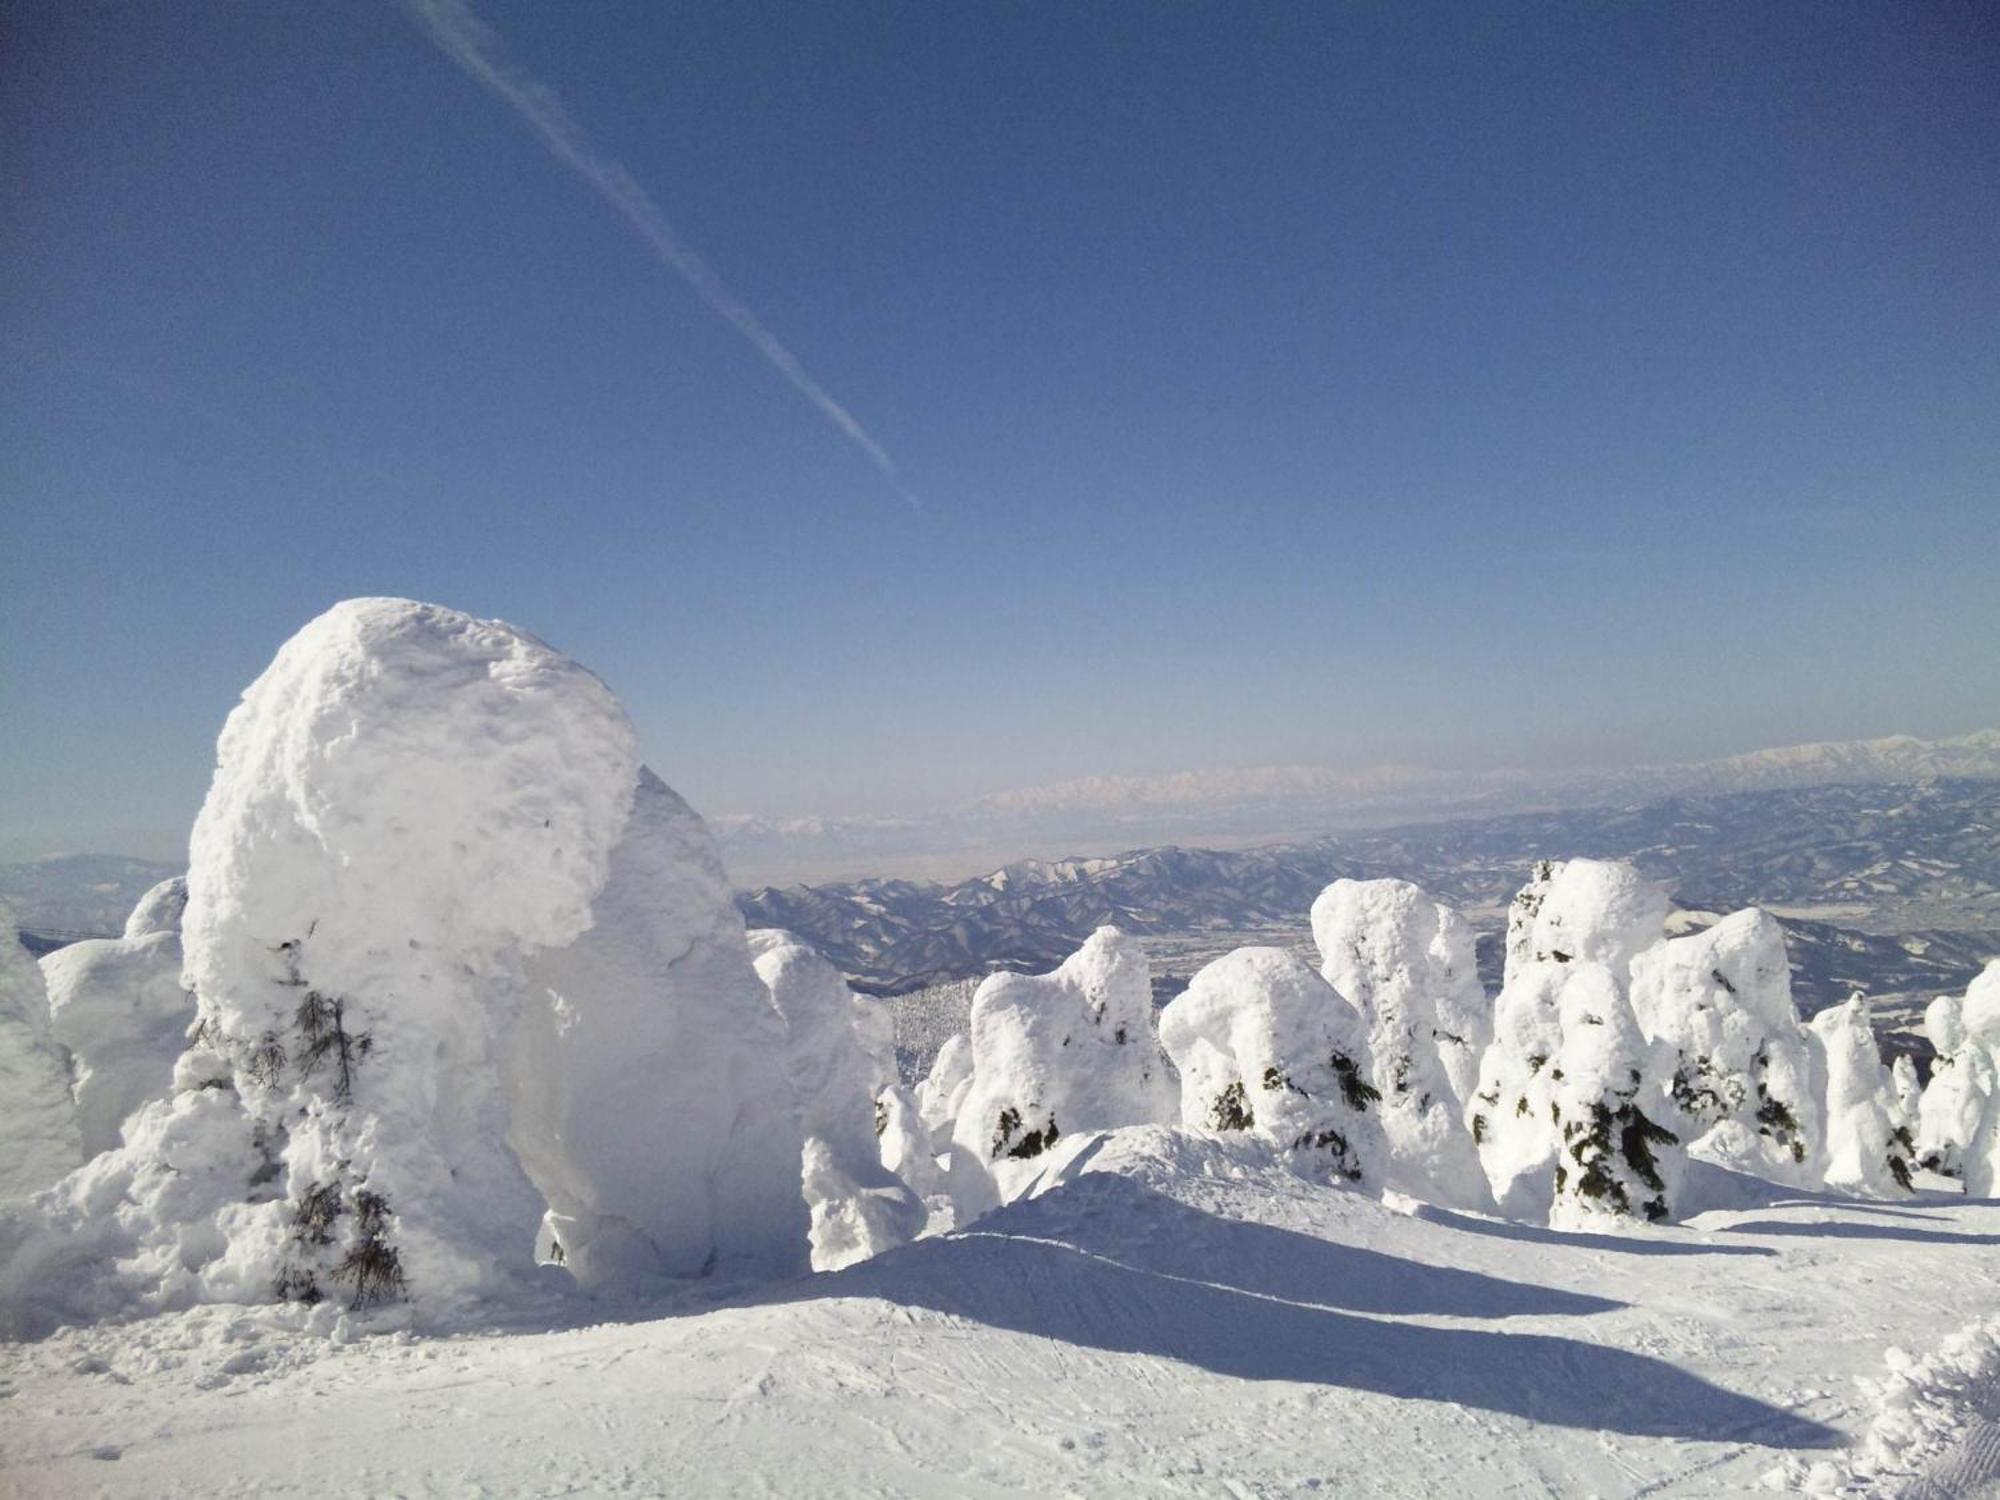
(647, 1092)
(837, 1062)
(1070, 1050)
(1264, 1044)
(1407, 963)
(39, 1141)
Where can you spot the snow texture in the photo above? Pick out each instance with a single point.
(1618, 1161)
(118, 1007)
(1407, 963)
(1963, 1080)
(1521, 914)
(859, 1208)
(1512, 1112)
(39, 1140)
(1980, 1014)
(1597, 911)
(1747, 1076)
(1864, 1154)
(406, 804)
(159, 910)
(1067, 1051)
(1264, 1044)
(647, 1089)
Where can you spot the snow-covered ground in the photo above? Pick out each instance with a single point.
(1171, 1315)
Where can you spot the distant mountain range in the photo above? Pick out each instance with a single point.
(1894, 889)
(1100, 814)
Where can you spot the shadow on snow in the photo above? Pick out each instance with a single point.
(1836, 1229)
(1121, 1268)
(1535, 1234)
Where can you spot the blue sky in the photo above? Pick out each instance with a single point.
(1334, 384)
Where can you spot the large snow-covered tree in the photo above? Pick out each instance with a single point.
(859, 1208)
(118, 1007)
(1512, 1116)
(1746, 1077)
(1063, 1052)
(1521, 914)
(1407, 963)
(1979, 1012)
(647, 1091)
(1265, 1044)
(1867, 1151)
(1619, 1160)
(1963, 1078)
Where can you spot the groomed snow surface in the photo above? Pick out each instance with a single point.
(446, 1133)
(1176, 1314)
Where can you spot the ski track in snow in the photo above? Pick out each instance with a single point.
(1160, 1332)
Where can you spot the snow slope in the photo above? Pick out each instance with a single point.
(1169, 1315)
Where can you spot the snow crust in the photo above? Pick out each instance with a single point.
(39, 1139)
(835, 1061)
(1264, 1044)
(1407, 963)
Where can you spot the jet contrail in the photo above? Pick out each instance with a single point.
(475, 47)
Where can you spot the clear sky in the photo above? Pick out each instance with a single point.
(1326, 383)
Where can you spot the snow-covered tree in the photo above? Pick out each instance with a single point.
(859, 1208)
(1407, 963)
(648, 1096)
(1867, 1152)
(1521, 914)
(1618, 1161)
(1512, 1115)
(941, 1096)
(1746, 1079)
(1596, 911)
(38, 1128)
(1963, 1078)
(117, 1005)
(1063, 1052)
(907, 1146)
(1980, 1015)
(1265, 1044)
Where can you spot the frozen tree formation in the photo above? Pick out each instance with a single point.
(1979, 1012)
(1867, 1152)
(39, 1141)
(1747, 1077)
(118, 1007)
(652, 1028)
(159, 910)
(908, 1148)
(1575, 927)
(1063, 1052)
(1512, 1113)
(1618, 1162)
(1521, 914)
(941, 1096)
(1962, 1081)
(428, 839)
(1407, 963)
(1595, 911)
(1265, 1044)
(831, 1049)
